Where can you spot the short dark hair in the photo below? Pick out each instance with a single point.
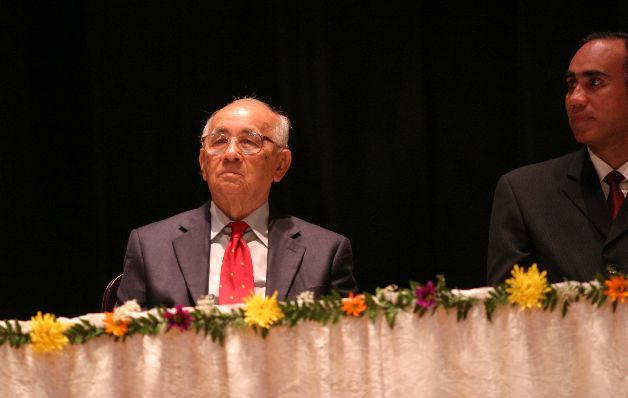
(612, 36)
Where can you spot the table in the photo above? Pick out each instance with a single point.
(519, 354)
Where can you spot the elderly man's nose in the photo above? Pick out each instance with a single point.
(232, 150)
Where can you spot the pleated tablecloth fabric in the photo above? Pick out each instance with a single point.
(519, 354)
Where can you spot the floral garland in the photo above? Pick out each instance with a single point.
(526, 289)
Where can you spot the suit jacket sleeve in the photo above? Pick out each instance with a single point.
(509, 241)
(342, 279)
(133, 284)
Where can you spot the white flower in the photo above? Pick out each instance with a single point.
(123, 313)
(567, 291)
(206, 303)
(390, 293)
(304, 298)
(590, 286)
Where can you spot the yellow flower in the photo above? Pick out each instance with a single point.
(262, 311)
(47, 333)
(527, 288)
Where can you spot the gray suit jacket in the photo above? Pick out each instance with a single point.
(554, 213)
(167, 262)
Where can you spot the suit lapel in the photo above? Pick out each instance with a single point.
(192, 251)
(284, 256)
(582, 187)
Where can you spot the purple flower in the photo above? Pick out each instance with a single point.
(180, 318)
(426, 296)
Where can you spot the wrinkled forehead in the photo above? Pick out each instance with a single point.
(243, 116)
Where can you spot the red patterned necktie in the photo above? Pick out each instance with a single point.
(236, 274)
(615, 195)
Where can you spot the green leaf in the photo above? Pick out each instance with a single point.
(566, 305)
(13, 334)
(391, 315)
(83, 331)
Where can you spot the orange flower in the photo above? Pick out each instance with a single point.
(354, 305)
(117, 328)
(617, 288)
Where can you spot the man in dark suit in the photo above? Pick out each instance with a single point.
(177, 260)
(565, 214)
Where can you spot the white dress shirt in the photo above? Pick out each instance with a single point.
(602, 169)
(256, 237)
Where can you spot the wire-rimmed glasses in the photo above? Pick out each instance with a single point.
(247, 142)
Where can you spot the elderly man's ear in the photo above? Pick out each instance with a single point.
(201, 162)
(285, 159)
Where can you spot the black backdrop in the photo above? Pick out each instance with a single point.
(403, 120)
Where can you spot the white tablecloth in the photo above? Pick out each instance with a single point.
(520, 354)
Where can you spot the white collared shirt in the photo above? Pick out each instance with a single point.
(256, 237)
(602, 169)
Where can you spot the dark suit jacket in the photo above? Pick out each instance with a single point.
(168, 262)
(554, 213)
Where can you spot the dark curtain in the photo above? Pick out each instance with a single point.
(404, 116)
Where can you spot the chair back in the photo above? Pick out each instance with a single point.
(110, 296)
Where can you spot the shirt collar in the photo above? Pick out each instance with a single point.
(257, 221)
(602, 168)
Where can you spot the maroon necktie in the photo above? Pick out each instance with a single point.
(615, 195)
(236, 274)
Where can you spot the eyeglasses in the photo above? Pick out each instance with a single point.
(247, 142)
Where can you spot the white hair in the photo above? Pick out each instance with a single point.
(281, 129)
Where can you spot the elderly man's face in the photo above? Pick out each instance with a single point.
(597, 96)
(234, 177)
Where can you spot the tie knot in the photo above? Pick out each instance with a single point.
(237, 228)
(614, 178)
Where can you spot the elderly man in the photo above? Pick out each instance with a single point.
(566, 214)
(236, 244)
